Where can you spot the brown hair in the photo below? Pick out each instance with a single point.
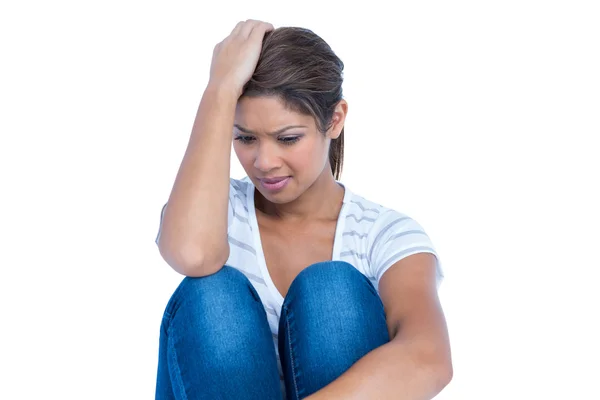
(299, 67)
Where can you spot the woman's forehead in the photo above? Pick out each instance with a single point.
(268, 113)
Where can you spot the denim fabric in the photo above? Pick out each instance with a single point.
(215, 340)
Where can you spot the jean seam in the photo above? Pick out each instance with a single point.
(295, 368)
(175, 372)
(172, 304)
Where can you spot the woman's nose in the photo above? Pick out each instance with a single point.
(266, 158)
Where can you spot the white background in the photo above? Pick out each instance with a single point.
(479, 119)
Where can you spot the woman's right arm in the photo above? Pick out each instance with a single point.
(193, 232)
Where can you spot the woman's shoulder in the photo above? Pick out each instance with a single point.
(371, 209)
(391, 236)
(377, 218)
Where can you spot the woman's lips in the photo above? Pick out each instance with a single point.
(274, 183)
(273, 180)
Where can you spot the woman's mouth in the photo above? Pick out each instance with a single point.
(276, 183)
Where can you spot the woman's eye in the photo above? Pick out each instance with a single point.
(244, 139)
(289, 139)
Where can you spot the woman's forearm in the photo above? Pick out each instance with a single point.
(397, 370)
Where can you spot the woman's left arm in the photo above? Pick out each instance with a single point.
(416, 363)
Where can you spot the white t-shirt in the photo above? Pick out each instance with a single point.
(369, 236)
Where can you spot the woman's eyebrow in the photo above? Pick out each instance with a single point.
(272, 133)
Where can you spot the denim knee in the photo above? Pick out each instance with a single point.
(331, 317)
(221, 302)
(331, 278)
(228, 288)
(216, 326)
(218, 312)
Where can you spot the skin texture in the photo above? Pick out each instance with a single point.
(416, 363)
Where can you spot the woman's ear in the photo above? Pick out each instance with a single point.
(338, 119)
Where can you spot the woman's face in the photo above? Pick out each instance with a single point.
(281, 151)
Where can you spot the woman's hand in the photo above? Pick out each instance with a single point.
(235, 58)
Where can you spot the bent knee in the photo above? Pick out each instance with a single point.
(225, 291)
(330, 276)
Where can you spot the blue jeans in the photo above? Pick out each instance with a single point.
(215, 341)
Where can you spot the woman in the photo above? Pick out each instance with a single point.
(294, 286)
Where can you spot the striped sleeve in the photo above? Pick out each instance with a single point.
(162, 214)
(397, 236)
(237, 202)
(235, 192)
(230, 204)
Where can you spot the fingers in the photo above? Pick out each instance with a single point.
(258, 31)
(244, 29)
(236, 30)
